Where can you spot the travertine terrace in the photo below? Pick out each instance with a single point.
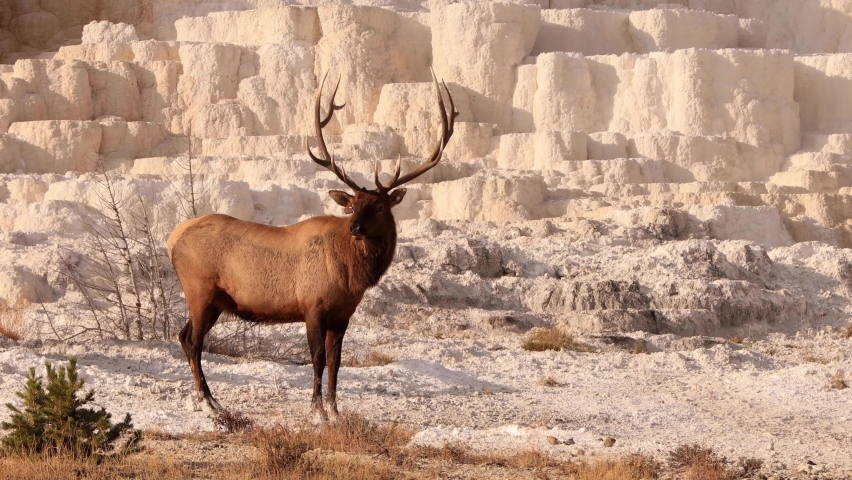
(619, 166)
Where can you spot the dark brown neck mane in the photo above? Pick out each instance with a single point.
(373, 257)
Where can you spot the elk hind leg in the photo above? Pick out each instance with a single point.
(201, 320)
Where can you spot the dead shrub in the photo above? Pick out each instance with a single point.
(749, 466)
(700, 463)
(232, 422)
(548, 382)
(12, 318)
(553, 338)
(838, 380)
(283, 450)
(810, 358)
(373, 358)
(236, 338)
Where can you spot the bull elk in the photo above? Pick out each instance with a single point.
(315, 271)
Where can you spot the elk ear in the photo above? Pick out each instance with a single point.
(343, 199)
(396, 196)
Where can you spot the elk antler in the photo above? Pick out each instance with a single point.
(446, 133)
(327, 161)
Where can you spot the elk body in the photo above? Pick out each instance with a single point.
(315, 271)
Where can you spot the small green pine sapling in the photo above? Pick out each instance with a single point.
(54, 421)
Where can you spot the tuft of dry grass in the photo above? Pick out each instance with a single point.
(330, 450)
(460, 455)
(631, 467)
(553, 338)
(373, 358)
(695, 462)
(548, 381)
(736, 339)
(846, 332)
(838, 380)
(12, 318)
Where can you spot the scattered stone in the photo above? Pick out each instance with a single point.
(552, 440)
(570, 441)
(608, 442)
(191, 405)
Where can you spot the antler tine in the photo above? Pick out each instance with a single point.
(447, 129)
(318, 129)
(381, 187)
(331, 106)
(327, 161)
(453, 111)
(341, 174)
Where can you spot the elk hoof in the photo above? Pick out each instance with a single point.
(333, 415)
(209, 404)
(319, 417)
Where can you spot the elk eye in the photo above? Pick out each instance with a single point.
(380, 209)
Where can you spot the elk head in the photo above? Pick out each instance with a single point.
(371, 209)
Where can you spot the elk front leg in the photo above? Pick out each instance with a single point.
(333, 348)
(316, 343)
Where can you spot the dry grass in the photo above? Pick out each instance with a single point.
(296, 456)
(838, 380)
(373, 358)
(460, 455)
(197, 437)
(811, 358)
(736, 339)
(12, 318)
(695, 462)
(553, 338)
(631, 467)
(356, 448)
(56, 468)
(846, 332)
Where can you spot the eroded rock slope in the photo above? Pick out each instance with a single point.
(617, 165)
